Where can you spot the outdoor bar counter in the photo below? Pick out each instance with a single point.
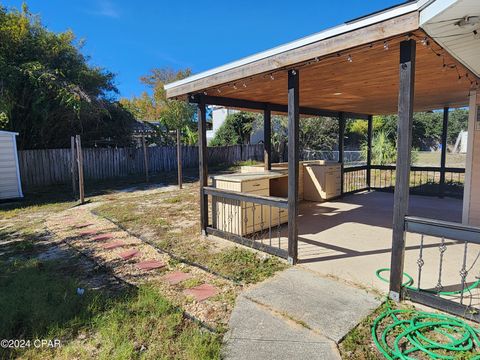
(319, 180)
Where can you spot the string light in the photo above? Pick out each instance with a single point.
(425, 41)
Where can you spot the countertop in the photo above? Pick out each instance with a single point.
(250, 176)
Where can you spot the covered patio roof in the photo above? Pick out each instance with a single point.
(350, 68)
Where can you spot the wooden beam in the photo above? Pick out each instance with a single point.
(362, 36)
(341, 143)
(179, 159)
(257, 105)
(443, 156)
(202, 163)
(267, 138)
(404, 153)
(293, 163)
(369, 151)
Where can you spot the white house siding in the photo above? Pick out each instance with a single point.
(9, 175)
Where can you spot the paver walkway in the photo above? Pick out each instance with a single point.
(297, 314)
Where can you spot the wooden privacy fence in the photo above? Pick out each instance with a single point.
(53, 166)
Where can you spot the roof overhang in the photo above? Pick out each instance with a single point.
(442, 21)
(367, 85)
(395, 21)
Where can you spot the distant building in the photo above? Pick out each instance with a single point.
(219, 114)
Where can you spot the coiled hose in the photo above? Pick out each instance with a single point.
(401, 334)
(408, 284)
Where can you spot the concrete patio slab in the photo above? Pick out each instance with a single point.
(255, 333)
(329, 307)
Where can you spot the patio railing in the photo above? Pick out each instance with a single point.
(462, 298)
(424, 180)
(250, 220)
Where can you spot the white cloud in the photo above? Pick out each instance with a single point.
(105, 8)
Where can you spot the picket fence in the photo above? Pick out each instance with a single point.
(53, 166)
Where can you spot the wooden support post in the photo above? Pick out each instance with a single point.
(404, 153)
(145, 158)
(81, 189)
(443, 157)
(341, 150)
(202, 163)
(74, 166)
(179, 158)
(293, 163)
(369, 151)
(267, 138)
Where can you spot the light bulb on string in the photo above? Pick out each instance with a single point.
(235, 87)
(349, 58)
(272, 77)
(385, 45)
(424, 41)
(244, 85)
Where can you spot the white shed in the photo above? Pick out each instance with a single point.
(10, 184)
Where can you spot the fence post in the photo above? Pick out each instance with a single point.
(443, 158)
(81, 189)
(73, 166)
(179, 158)
(145, 158)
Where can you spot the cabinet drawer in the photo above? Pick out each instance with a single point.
(250, 186)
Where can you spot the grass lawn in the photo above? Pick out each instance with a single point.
(171, 221)
(38, 292)
(40, 301)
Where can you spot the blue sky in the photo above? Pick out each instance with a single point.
(131, 37)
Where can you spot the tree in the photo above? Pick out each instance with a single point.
(48, 92)
(235, 130)
(318, 133)
(170, 114)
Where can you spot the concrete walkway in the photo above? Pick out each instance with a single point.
(296, 314)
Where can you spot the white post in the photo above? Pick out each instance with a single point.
(473, 129)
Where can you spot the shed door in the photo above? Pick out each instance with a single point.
(9, 187)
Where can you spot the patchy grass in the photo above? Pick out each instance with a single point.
(171, 221)
(39, 301)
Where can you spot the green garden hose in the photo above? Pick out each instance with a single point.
(401, 334)
(397, 334)
(408, 284)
